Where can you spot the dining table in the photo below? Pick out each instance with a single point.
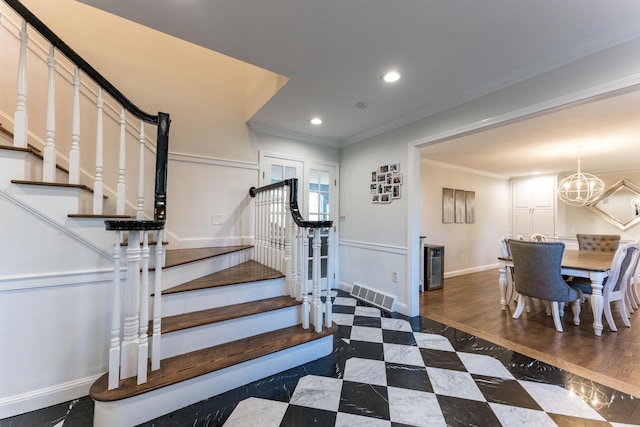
(592, 265)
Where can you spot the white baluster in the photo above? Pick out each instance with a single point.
(98, 185)
(49, 154)
(328, 305)
(288, 233)
(143, 346)
(297, 251)
(130, 341)
(20, 117)
(302, 275)
(121, 166)
(263, 219)
(272, 244)
(114, 346)
(258, 217)
(304, 262)
(74, 155)
(140, 214)
(280, 229)
(316, 305)
(267, 230)
(156, 346)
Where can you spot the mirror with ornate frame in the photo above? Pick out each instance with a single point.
(619, 205)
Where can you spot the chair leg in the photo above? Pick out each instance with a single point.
(623, 312)
(520, 307)
(547, 306)
(555, 308)
(631, 297)
(609, 316)
(633, 292)
(576, 312)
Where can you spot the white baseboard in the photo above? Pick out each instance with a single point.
(38, 399)
(476, 269)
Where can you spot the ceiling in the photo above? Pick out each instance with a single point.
(449, 52)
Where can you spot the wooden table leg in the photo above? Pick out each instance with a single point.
(597, 302)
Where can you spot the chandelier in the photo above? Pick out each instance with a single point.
(580, 189)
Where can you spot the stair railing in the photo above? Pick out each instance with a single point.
(129, 344)
(95, 88)
(282, 239)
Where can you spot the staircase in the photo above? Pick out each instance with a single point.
(170, 327)
(222, 330)
(227, 320)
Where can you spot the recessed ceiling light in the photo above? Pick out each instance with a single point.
(391, 76)
(315, 121)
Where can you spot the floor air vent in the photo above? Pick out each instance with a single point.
(384, 301)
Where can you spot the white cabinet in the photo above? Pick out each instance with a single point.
(534, 206)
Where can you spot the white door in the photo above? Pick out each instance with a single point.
(321, 184)
(276, 169)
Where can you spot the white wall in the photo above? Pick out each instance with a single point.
(200, 187)
(468, 247)
(373, 240)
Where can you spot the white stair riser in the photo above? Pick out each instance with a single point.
(184, 273)
(139, 409)
(192, 339)
(55, 202)
(186, 302)
(13, 166)
(94, 230)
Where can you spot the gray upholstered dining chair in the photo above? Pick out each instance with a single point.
(598, 242)
(614, 287)
(537, 274)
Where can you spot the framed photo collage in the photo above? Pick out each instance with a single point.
(386, 183)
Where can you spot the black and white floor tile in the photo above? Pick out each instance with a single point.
(390, 373)
(395, 371)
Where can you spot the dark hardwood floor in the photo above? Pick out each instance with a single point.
(471, 303)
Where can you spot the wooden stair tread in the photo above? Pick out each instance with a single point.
(29, 149)
(176, 257)
(191, 365)
(12, 148)
(220, 314)
(249, 271)
(51, 184)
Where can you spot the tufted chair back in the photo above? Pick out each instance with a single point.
(537, 270)
(598, 242)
